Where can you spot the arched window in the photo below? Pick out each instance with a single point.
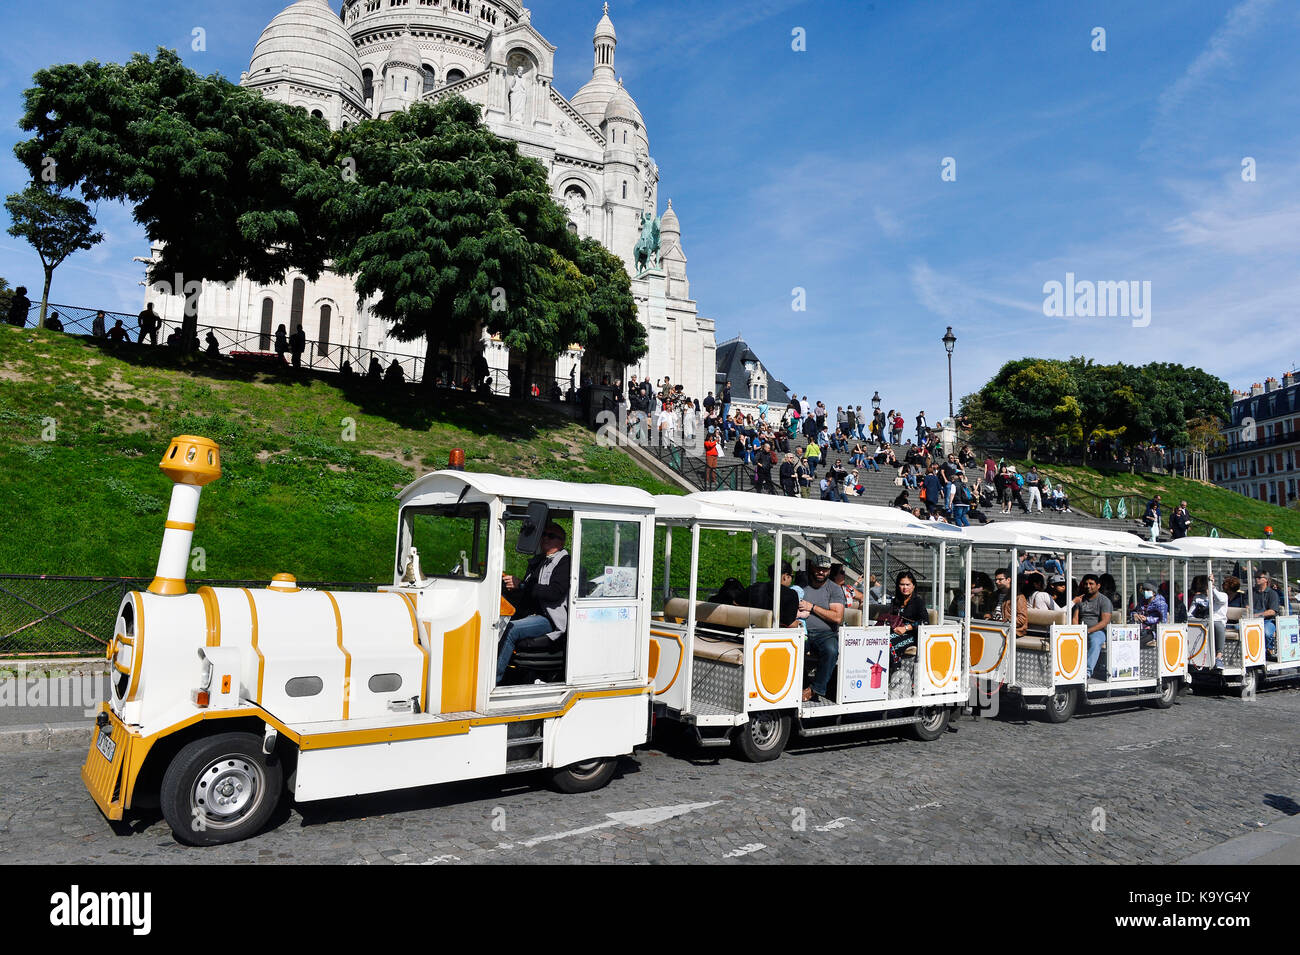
(295, 305)
(624, 188)
(455, 76)
(323, 337)
(625, 135)
(367, 85)
(268, 313)
(317, 114)
(430, 77)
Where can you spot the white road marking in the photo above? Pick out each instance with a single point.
(925, 805)
(744, 850)
(635, 817)
(834, 824)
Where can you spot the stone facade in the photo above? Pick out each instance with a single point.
(380, 56)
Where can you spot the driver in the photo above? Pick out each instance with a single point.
(542, 597)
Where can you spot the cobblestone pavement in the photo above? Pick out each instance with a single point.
(1013, 789)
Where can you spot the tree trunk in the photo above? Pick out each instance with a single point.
(190, 327)
(45, 296)
(430, 362)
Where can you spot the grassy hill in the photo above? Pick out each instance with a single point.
(1233, 512)
(294, 494)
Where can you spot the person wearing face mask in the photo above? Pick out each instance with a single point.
(1152, 611)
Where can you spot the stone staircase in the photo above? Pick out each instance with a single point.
(878, 488)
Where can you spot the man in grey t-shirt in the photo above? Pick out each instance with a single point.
(824, 602)
(1264, 602)
(1093, 610)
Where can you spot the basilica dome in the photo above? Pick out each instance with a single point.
(308, 40)
(621, 106)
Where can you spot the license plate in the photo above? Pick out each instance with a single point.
(104, 743)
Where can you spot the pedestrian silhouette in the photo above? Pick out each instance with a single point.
(150, 322)
(97, 329)
(19, 306)
(281, 342)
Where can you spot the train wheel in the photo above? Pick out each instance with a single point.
(763, 738)
(1168, 693)
(585, 777)
(1061, 705)
(934, 720)
(1249, 683)
(220, 789)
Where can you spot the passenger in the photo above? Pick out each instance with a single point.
(1093, 609)
(543, 594)
(1002, 581)
(1232, 587)
(1107, 584)
(1210, 604)
(1265, 602)
(1053, 598)
(824, 602)
(1152, 610)
(759, 596)
(908, 613)
(982, 602)
(731, 593)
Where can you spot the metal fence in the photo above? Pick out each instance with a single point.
(452, 371)
(48, 616)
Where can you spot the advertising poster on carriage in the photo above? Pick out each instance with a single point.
(1288, 639)
(864, 665)
(1123, 652)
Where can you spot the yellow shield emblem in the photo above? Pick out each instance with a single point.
(976, 647)
(1071, 653)
(940, 658)
(654, 658)
(774, 670)
(1173, 649)
(1252, 641)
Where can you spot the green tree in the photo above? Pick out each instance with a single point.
(451, 231)
(55, 225)
(1036, 399)
(226, 180)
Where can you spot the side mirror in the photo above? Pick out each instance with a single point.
(530, 534)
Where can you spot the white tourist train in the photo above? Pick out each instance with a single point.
(224, 700)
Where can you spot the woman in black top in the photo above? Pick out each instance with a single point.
(910, 605)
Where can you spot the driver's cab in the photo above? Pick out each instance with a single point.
(462, 537)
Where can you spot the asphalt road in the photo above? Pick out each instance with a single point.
(1123, 786)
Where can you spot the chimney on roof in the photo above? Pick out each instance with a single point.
(1288, 379)
(1270, 384)
(1256, 389)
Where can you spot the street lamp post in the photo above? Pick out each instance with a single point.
(949, 340)
(875, 401)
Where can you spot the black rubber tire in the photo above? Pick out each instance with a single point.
(1249, 683)
(1169, 690)
(1061, 705)
(227, 759)
(763, 738)
(934, 721)
(585, 777)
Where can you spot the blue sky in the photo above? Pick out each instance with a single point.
(821, 170)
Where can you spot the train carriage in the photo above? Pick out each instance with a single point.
(733, 675)
(1050, 659)
(1257, 645)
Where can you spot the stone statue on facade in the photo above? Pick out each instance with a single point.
(646, 252)
(518, 95)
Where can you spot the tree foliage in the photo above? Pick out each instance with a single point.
(54, 225)
(1035, 399)
(451, 231)
(227, 180)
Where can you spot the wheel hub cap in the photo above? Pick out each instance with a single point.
(227, 789)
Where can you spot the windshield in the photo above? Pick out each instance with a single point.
(452, 540)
